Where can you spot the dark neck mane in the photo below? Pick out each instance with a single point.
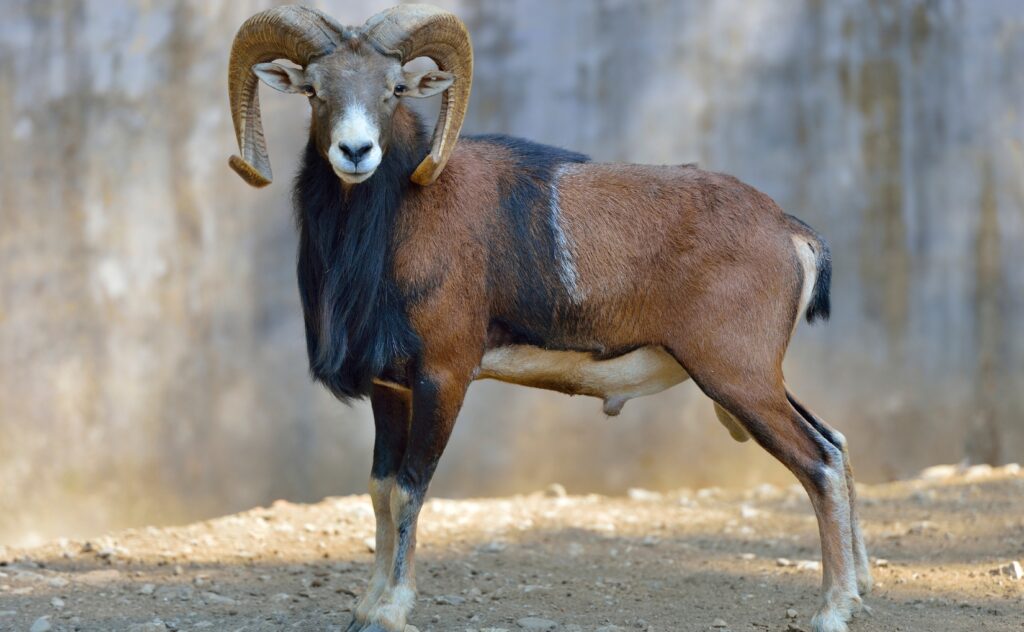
(355, 317)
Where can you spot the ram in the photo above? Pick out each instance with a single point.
(426, 263)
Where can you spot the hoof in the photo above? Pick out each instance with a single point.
(830, 619)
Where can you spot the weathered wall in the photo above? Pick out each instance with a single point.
(151, 357)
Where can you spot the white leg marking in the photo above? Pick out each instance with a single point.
(839, 585)
(380, 494)
(564, 246)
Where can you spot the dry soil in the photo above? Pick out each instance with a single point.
(686, 560)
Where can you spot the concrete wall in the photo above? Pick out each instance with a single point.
(152, 365)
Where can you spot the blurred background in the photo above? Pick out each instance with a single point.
(152, 361)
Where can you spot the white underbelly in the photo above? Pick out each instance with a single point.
(644, 371)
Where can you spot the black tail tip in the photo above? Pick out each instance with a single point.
(820, 306)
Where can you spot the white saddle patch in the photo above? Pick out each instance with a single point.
(644, 371)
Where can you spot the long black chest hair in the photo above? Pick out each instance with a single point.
(355, 317)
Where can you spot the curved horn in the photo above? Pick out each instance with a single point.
(420, 30)
(289, 32)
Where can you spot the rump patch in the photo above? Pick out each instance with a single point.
(809, 264)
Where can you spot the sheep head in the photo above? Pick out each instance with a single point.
(354, 81)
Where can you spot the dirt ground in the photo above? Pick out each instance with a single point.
(687, 560)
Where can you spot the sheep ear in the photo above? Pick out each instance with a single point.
(282, 78)
(427, 84)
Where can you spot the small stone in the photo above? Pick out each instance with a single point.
(747, 556)
(719, 623)
(174, 593)
(536, 623)
(643, 495)
(975, 472)
(938, 472)
(792, 613)
(106, 553)
(783, 562)
(57, 603)
(450, 600)
(58, 582)
(371, 544)
(747, 512)
(42, 624)
(882, 562)
(555, 490)
(792, 627)
(610, 628)
(147, 589)
(493, 547)
(279, 597)
(156, 625)
(212, 597)
(808, 565)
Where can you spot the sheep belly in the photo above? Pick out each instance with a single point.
(644, 371)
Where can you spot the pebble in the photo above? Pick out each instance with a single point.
(643, 495)
(792, 613)
(147, 589)
(171, 593)
(938, 472)
(792, 627)
(57, 603)
(58, 582)
(450, 600)
(719, 623)
(555, 490)
(156, 625)
(493, 547)
(42, 624)
(536, 623)
(212, 597)
(610, 628)
(371, 544)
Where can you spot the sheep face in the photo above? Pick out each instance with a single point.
(354, 93)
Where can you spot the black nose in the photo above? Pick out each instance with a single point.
(355, 154)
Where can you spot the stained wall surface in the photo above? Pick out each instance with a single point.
(152, 363)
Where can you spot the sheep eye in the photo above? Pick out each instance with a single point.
(308, 91)
(400, 89)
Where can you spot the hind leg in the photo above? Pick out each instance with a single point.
(752, 391)
(836, 438)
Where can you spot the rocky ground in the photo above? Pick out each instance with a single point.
(943, 547)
